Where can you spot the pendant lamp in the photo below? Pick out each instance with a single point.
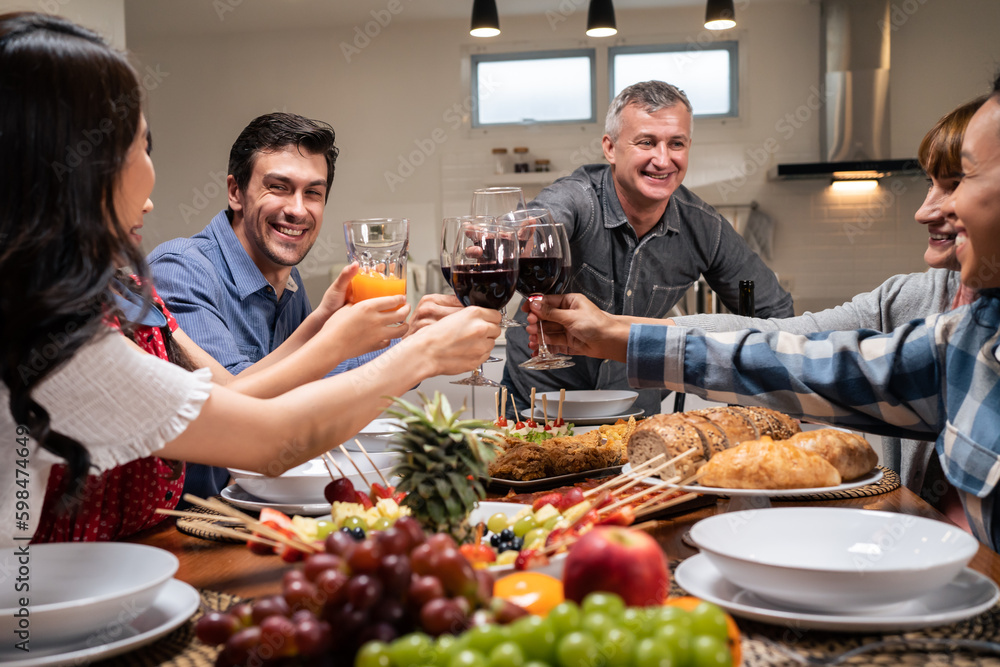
(601, 19)
(720, 15)
(485, 21)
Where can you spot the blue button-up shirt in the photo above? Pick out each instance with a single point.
(222, 301)
(934, 378)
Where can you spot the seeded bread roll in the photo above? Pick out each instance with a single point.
(669, 435)
(781, 426)
(713, 438)
(768, 464)
(850, 454)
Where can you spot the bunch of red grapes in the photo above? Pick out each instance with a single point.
(394, 582)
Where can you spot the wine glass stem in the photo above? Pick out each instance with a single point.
(543, 349)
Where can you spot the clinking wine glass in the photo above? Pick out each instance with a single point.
(544, 268)
(497, 201)
(484, 267)
(449, 232)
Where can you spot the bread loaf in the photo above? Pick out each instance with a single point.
(768, 464)
(670, 435)
(851, 455)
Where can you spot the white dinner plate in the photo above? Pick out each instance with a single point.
(175, 604)
(970, 593)
(585, 421)
(376, 436)
(236, 496)
(872, 477)
(485, 510)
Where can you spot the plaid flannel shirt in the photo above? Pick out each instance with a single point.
(930, 379)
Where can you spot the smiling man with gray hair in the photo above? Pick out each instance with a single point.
(639, 239)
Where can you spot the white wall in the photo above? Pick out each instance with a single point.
(106, 17)
(402, 89)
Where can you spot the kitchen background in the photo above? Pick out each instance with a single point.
(394, 89)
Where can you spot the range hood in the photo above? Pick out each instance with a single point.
(855, 138)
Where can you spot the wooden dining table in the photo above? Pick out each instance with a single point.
(233, 569)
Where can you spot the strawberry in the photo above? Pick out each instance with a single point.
(529, 558)
(623, 516)
(363, 499)
(572, 497)
(379, 492)
(478, 553)
(398, 496)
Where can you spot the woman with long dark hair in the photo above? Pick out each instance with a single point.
(76, 175)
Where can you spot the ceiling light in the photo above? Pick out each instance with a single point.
(601, 19)
(720, 14)
(485, 21)
(854, 186)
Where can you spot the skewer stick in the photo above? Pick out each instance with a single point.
(199, 516)
(665, 494)
(351, 459)
(670, 503)
(496, 406)
(638, 494)
(385, 482)
(646, 473)
(504, 408)
(328, 459)
(251, 523)
(531, 415)
(329, 469)
(562, 397)
(229, 532)
(517, 415)
(545, 410)
(621, 479)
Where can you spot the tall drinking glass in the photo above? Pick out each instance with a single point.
(379, 246)
(543, 268)
(495, 202)
(484, 268)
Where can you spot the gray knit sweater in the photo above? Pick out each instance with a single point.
(898, 300)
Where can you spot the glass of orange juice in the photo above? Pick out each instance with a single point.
(379, 246)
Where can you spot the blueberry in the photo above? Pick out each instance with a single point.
(507, 534)
(517, 543)
(358, 533)
(494, 540)
(504, 545)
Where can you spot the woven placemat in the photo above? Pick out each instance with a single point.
(759, 641)
(889, 482)
(195, 527)
(180, 648)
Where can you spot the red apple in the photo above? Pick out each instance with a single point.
(619, 560)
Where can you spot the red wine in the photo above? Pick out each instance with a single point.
(446, 272)
(565, 271)
(484, 287)
(538, 275)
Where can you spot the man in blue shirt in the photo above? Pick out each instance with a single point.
(234, 286)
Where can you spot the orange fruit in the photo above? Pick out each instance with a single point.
(689, 602)
(536, 592)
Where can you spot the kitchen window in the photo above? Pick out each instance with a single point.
(707, 74)
(533, 87)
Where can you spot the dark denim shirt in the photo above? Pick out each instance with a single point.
(625, 275)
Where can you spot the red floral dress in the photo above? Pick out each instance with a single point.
(120, 501)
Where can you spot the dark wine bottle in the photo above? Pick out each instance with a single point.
(746, 299)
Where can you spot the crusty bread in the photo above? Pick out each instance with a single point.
(670, 435)
(768, 464)
(851, 455)
(736, 425)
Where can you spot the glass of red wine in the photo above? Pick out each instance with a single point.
(484, 267)
(495, 202)
(543, 268)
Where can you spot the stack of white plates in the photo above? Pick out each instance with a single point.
(88, 600)
(837, 568)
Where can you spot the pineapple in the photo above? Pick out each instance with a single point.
(443, 464)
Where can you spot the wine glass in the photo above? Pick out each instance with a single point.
(449, 232)
(543, 268)
(484, 268)
(495, 202)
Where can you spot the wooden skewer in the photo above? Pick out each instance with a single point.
(504, 408)
(496, 405)
(351, 459)
(385, 482)
(670, 503)
(328, 459)
(229, 532)
(328, 468)
(665, 494)
(621, 479)
(251, 523)
(531, 414)
(517, 415)
(640, 480)
(562, 397)
(545, 410)
(198, 516)
(635, 496)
